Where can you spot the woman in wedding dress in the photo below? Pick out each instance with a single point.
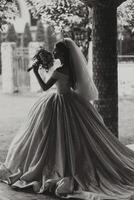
(64, 148)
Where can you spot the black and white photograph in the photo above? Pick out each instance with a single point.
(66, 99)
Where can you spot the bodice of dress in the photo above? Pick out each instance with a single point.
(63, 82)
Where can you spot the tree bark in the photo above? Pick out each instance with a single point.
(105, 64)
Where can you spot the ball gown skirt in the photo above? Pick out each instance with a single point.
(65, 148)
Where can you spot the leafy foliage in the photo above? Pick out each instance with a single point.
(27, 37)
(103, 3)
(126, 28)
(126, 14)
(8, 10)
(66, 16)
(61, 13)
(0, 50)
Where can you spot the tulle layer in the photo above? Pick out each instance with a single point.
(65, 148)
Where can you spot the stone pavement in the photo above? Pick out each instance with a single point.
(7, 193)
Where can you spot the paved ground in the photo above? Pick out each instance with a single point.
(13, 110)
(126, 119)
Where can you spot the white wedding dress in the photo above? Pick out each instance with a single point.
(65, 148)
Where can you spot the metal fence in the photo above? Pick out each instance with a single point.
(126, 58)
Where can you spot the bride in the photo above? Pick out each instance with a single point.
(64, 147)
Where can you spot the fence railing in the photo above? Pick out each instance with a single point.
(126, 58)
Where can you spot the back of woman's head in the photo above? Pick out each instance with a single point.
(63, 48)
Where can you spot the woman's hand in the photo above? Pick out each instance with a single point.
(36, 68)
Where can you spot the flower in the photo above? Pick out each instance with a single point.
(45, 58)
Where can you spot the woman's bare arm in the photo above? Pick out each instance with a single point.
(48, 84)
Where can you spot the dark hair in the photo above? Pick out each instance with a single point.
(62, 46)
(37, 55)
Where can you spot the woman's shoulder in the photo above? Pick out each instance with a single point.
(59, 69)
(62, 71)
(56, 73)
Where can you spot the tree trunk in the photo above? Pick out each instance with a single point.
(105, 64)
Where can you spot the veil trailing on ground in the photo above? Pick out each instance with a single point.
(85, 84)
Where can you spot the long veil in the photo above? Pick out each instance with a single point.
(85, 84)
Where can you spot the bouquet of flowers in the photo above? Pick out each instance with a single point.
(42, 58)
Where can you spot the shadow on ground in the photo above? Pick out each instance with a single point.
(7, 193)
